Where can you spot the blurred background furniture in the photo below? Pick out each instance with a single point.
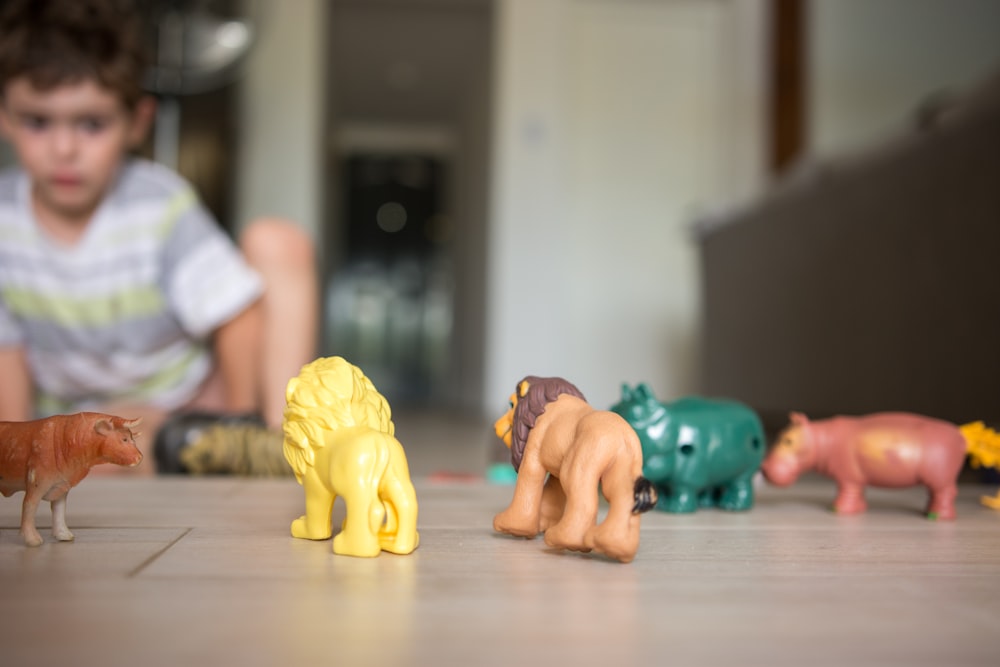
(868, 282)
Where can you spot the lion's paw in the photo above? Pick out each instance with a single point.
(300, 529)
(506, 523)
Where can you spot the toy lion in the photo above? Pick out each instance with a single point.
(339, 442)
(552, 431)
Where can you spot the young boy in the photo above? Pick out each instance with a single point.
(118, 292)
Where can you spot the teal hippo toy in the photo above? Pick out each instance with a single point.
(697, 452)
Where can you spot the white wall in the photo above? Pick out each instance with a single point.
(873, 62)
(281, 115)
(616, 124)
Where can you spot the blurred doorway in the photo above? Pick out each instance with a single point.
(406, 181)
(390, 304)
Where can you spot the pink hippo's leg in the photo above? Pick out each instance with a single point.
(60, 530)
(850, 498)
(942, 502)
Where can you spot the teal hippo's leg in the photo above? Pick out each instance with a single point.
(737, 496)
(679, 500)
(708, 497)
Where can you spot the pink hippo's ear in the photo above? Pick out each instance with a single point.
(798, 418)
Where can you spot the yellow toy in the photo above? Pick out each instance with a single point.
(984, 452)
(339, 442)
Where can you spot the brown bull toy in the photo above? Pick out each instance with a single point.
(46, 458)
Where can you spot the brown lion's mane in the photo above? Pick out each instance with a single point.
(541, 392)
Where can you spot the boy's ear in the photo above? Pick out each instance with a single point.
(142, 119)
(4, 121)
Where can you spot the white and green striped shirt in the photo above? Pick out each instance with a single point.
(125, 313)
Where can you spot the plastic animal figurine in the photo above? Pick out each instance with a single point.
(888, 449)
(339, 441)
(562, 449)
(984, 452)
(46, 458)
(697, 452)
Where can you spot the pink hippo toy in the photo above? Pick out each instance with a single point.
(45, 458)
(890, 449)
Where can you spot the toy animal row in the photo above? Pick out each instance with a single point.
(642, 453)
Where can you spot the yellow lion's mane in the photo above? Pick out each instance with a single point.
(328, 394)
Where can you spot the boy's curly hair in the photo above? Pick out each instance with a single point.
(55, 42)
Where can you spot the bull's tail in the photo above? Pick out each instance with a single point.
(982, 444)
(645, 496)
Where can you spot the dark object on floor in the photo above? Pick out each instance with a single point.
(182, 430)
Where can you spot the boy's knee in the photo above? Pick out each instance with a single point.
(270, 241)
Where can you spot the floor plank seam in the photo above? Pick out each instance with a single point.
(152, 559)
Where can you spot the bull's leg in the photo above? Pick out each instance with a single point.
(942, 502)
(850, 498)
(32, 496)
(60, 530)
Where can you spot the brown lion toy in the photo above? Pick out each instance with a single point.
(552, 431)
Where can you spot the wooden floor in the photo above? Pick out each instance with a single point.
(198, 571)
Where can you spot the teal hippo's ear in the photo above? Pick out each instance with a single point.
(626, 393)
(643, 391)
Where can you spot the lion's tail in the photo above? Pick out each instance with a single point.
(645, 496)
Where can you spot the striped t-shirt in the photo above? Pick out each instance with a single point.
(126, 312)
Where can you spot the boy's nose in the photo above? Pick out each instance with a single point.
(64, 141)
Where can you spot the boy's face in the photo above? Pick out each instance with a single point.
(71, 140)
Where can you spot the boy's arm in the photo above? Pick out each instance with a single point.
(238, 346)
(16, 386)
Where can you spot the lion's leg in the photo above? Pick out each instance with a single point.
(358, 475)
(523, 516)
(315, 523)
(618, 535)
(358, 537)
(553, 503)
(579, 477)
(399, 535)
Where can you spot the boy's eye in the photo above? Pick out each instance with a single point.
(92, 124)
(33, 122)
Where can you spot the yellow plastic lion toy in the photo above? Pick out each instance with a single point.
(339, 442)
